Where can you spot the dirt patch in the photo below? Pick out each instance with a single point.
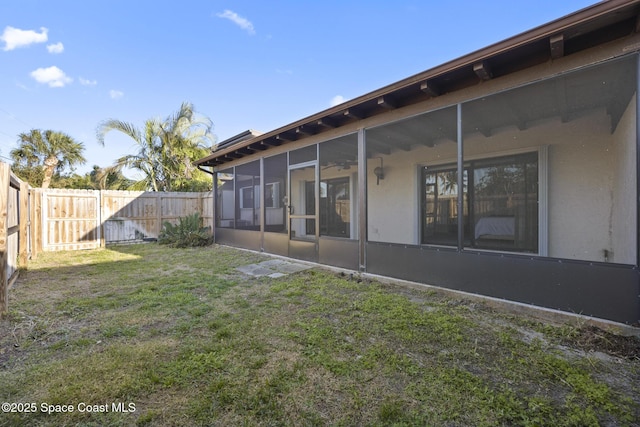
(592, 338)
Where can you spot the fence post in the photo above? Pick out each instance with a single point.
(44, 220)
(23, 242)
(36, 222)
(5, 182)
(101, 219)
(159, 213)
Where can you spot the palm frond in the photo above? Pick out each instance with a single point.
(118, 125)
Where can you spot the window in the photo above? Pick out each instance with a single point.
(249, 196)
(440, 205)
(272, 195)
(500, 209)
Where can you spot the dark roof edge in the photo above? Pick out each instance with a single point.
(551, 28)
(242, 136)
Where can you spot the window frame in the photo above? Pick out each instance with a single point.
(275, 195)
(450, 164)
(253, 190)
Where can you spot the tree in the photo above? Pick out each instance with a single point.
(98, 179)
(108, 179)
(76, 181)
(166, 150)
(41, 154)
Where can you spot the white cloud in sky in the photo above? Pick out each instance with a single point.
(241, 22)
(116, 94)
(52, 76)
(15, 37)
(55, 48)
(338, 99)
(87, 82)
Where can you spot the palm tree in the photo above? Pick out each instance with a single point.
(46, 152)
(108, 179)
(146, 160)
(166, 149)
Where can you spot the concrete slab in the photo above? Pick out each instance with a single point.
(292, 268)
(276, 275)
(272, 263)
(273, 268)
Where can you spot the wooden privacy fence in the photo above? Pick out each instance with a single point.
(14, 231)
(87, 219)
(35, 219)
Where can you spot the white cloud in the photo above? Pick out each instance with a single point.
(116, 94)
(241, 22)
(53, 76)
(55, 48)
(86, 82)
(15, 37)
(338, 99)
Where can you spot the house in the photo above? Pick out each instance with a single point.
(511, 172)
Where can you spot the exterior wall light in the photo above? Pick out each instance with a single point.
(379, 171)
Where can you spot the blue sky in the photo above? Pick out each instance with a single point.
(67, 65)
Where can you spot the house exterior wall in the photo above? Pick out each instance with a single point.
(587, 191)
(579, 197)
(625, 209)
(393, 203)
(580, 186)
(586, 260)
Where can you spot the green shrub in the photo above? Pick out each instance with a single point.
(188, 232)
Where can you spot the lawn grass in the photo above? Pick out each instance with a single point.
(187, 340)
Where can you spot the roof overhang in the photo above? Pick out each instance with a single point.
(586, 28)
(243, 136)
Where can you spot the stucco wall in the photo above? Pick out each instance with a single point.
(580, 189)
(625, 213)
(393, 204)
(591, 185)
